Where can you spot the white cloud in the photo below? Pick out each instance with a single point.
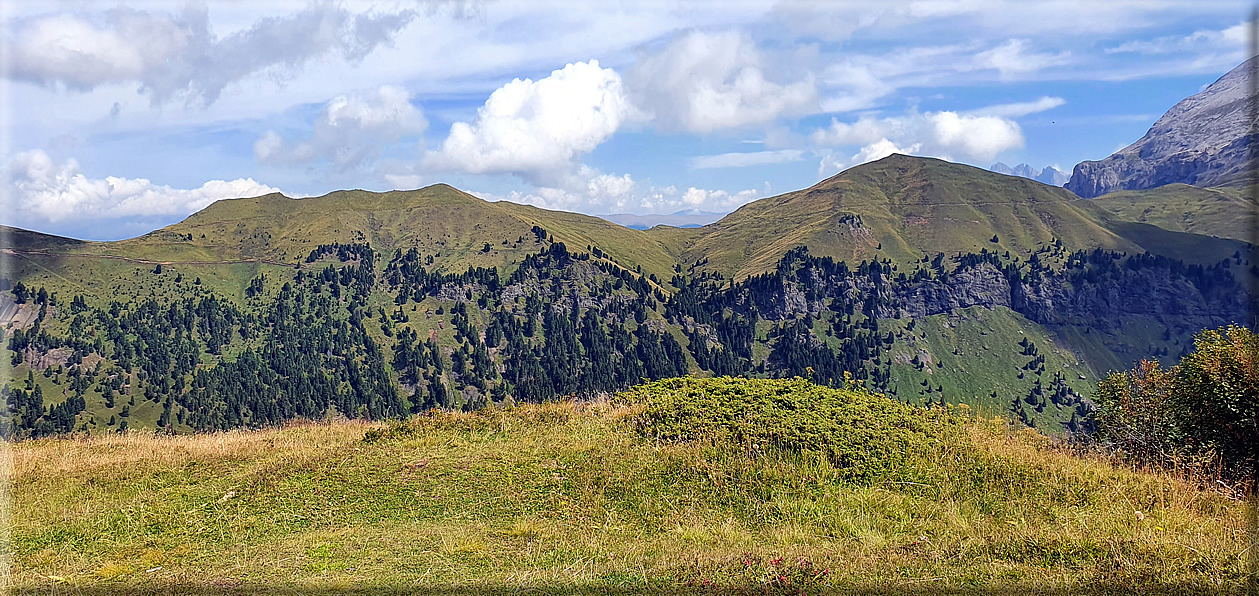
(1014, 57)
(610, 186)
(877, 150)
(1063, 18)
(716, 200)
(977, 137)
(178, 56)
(945, 134)
(880, 149)
(1230, 38)
(743, 160)
(42, 190)
(404, 181)
(609, 193)
(585, 190)
(702, 82)
(1023, 108)
(537, 129)
(850, 85)
(867, 129)
(349, 130)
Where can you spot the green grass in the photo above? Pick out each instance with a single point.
(1224, 212)
(437, 220)
(975, 352)
(642, 493)
(908, 207)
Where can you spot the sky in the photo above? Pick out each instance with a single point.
(122, 117)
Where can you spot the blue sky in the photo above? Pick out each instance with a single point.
(123, 117)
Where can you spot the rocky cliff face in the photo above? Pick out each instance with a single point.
(1203, 140)
(1054, 300)
(1103, 296)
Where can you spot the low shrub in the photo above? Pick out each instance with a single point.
(867, 437)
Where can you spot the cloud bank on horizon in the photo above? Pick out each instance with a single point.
(132, 118)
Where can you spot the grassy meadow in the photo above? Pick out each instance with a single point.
(684, 485)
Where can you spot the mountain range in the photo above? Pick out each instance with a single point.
(1050, 175)
(687, 218)
(931, 281)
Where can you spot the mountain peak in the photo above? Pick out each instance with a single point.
(1203, 140)
(1049, 175)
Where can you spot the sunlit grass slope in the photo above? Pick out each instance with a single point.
(908, 207)
(439, 220)
(1225, 212)
(237, 236)
(724, 484)
(902, 208)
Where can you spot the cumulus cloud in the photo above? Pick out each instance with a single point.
(40, 189)
(977, 137)
(716, 200)
(349, 130)
(178, 56)
(877, 150)
(537, 129)
(600, 192)
(945, 134)
(745, 159)
(610, 193)
(701, 82)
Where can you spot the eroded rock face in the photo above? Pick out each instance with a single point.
(979, 286)
(1203, 140)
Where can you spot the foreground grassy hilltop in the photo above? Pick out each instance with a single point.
(721, 485)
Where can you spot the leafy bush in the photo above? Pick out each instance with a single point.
(1204, 409)
(866, 437)
(1133, 415)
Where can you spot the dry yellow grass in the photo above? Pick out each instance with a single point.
(145, 449)
(566, 497)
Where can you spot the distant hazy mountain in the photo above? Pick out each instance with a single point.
(687, 218)
(1050, 175)
(1202, 141)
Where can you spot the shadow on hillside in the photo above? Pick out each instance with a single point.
(905, 588)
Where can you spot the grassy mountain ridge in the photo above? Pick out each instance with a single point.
(899, 208)
(902, 208)
(440, 220)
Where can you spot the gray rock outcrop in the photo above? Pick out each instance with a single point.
(1203, 140)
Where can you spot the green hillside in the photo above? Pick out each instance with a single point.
(1226, 212)
(670, 488)
(899, 208)
(452, 226)
(378, 305)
